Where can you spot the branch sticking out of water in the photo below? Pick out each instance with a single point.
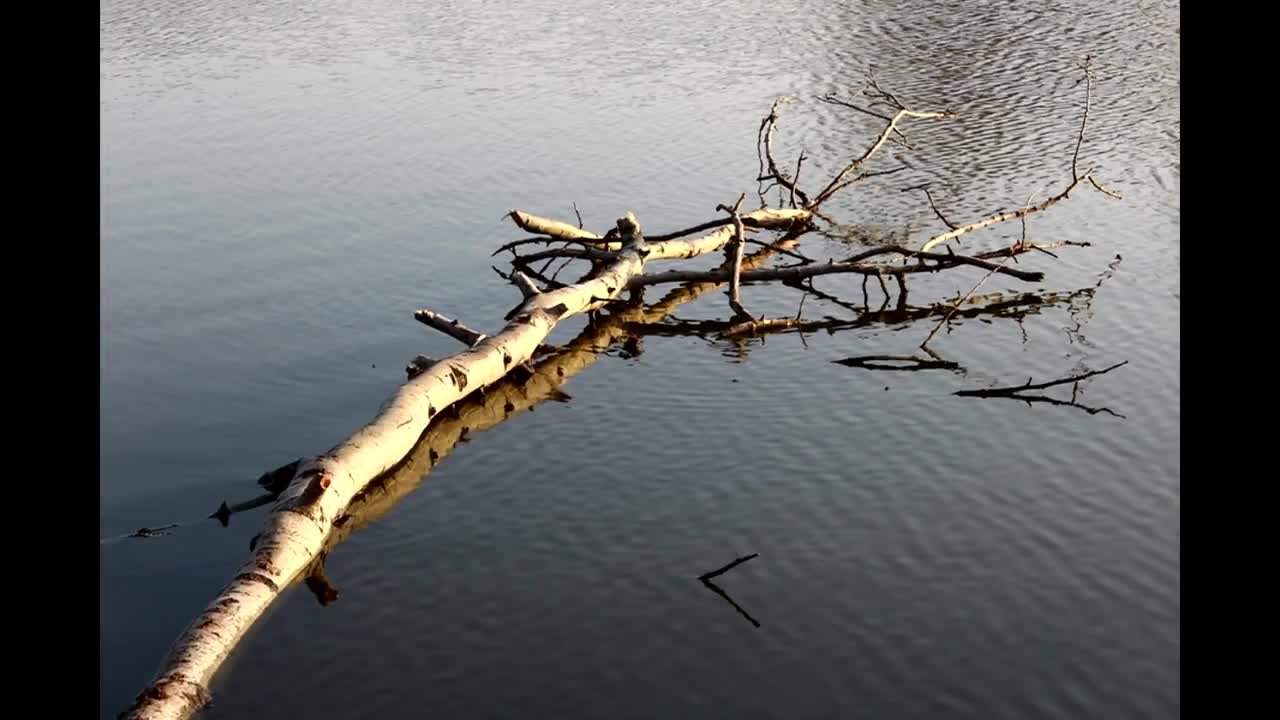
(764, 151)
(1016, 392)
(1076, 179)
(706, 580)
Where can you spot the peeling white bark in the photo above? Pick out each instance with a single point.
(302, 518)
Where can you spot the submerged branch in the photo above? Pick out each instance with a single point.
(1016, 392)
(705, 578)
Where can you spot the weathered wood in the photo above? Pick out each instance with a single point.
(522, 281)
(511, 397)
(296, 528)
(299, 527)
(452, 328)
(793, 274)
(551, 228)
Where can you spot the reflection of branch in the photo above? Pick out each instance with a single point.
(318, 583)
(897, 362)
(507, 398)
(1019, 245)
(1015, 392)
(1010, 306)
(706, 580)
(499, 402)
(932, 204)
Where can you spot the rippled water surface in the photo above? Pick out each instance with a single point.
(284, 183)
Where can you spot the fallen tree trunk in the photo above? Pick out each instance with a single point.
(300, 525)
(505, 400)
(303, 516)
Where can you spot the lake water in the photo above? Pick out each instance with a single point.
(283, 184)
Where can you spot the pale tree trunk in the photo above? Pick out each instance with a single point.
(299, 526)
(515, 394)
(302, 518)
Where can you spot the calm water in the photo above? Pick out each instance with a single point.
(284, 183)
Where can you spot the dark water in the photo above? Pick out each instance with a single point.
(284, 183)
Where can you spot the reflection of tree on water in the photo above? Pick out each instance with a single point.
(1080, 310)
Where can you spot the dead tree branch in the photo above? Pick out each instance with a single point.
(527, 288)
(890, 128)
(1076, 179)
(321, 490)
(452, 328)
(705, 578)
(932, 204)
(1016, 392)
(764, 152)
(735, 248)
(792, 275)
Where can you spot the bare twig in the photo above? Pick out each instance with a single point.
(960, 301)
(719, 591)
(1013, 390)
(1021, 245)
(574, 253)
(796, 181)
(1016, 392)
(1088, 97)
(722, 570)
(1094, 181)
(998, 218)
(735, 248)
(831, 99)
(932, 204)
(522, 281)
(782, 251)
(548, 240)
(902, 113)
(563, 265)
(1076, 179)
(452, 328)
(796, 273)
(764, 141)
(706, 580)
